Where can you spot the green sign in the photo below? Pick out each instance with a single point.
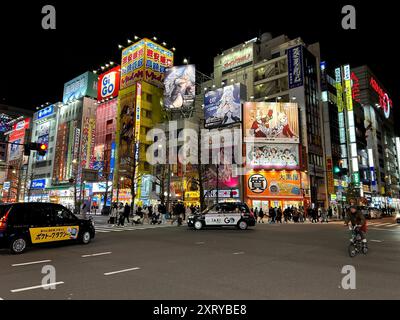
(356, 178)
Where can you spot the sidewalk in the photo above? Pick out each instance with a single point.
(102, 220)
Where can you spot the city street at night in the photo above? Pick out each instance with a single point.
(288, 261)
(198, 159)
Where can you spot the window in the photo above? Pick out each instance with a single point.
(63, 216)
(149, 98)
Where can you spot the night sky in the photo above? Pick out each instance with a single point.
(35, 63)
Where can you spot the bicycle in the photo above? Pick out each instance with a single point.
(356, 245)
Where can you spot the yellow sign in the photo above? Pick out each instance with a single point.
(349, 97)
(50, 234)
(192, 194)
(339, 100)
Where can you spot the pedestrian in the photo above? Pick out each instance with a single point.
(121, 217)
(146, 215)
(286, 214)
(301, 215)
(256, 214)
(279, 216)
(113, 214)
(271, 214)
(295, 215)
(261, 216)
(127, 211)
(314, 215)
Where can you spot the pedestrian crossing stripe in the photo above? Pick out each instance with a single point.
(107, 229)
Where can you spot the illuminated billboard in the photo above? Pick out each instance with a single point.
(223, 106)
(273, 184)
(295, 66)
(271, 122)
(145, 60)
(126, 126)
(81, 86)
(272, 156)
(239, 58)
(18, 137)
(180, 84)
(108, 84)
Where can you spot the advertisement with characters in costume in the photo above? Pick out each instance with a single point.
(271, 122)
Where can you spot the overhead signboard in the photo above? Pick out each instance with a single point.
(237, 59)
(271, 122)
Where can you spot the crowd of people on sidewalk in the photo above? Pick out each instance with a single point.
(293, 214)
(150, 214)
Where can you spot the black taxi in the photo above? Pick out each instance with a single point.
(26, 224)
(226, 214)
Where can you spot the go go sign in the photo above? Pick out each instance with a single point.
(108, 85)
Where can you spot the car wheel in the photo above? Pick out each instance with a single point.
(85, 238)
(198, 225)
(364, 250)
(242, 225)
(18, 245)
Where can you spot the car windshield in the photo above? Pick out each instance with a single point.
(3, 209)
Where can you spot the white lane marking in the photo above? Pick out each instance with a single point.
(29, 263)
(102, 231)
(109, 230)
(120, 271)
(38, 287)
(376, 240)
(241, 252)
(381, 224)
(96, 254)
(390, 225)
(199, 242)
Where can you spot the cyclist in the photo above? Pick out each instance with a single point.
(357, 220)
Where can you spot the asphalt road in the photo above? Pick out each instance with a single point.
(294, 261)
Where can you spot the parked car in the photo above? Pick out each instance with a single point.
(374, 213)
(227, 214)
(26, 224)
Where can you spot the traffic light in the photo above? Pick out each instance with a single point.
(336, 169)
(40, 148)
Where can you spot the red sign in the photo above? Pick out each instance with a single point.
(355, 87)
(385, 102)
(108, 84)
(19, 128)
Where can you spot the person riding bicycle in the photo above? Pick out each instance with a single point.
(358, 221)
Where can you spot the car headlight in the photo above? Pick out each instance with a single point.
(191, 217)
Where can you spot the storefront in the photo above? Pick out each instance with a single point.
(192, 198)
(266, 189)
(62, 195)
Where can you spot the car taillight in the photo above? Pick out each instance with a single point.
(3, 221)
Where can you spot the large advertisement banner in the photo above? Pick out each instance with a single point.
(180, 84)
(145, 60)
(295, 66)
(272, 156)
(271, 122)
(240, 58)
(132, 64)
(81, 86)
(273, 184)
(126, 121)
(222, 107)
(108, 84)
(18, 137)
(43, 131)
(158, 59)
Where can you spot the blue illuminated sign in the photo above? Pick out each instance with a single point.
(48, 111)
(38, 184)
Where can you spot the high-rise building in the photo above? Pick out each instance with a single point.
(40, 169)
(381, 135)
(282, 70)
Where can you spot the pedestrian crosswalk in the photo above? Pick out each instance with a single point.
(109, 228)
(384, 225)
